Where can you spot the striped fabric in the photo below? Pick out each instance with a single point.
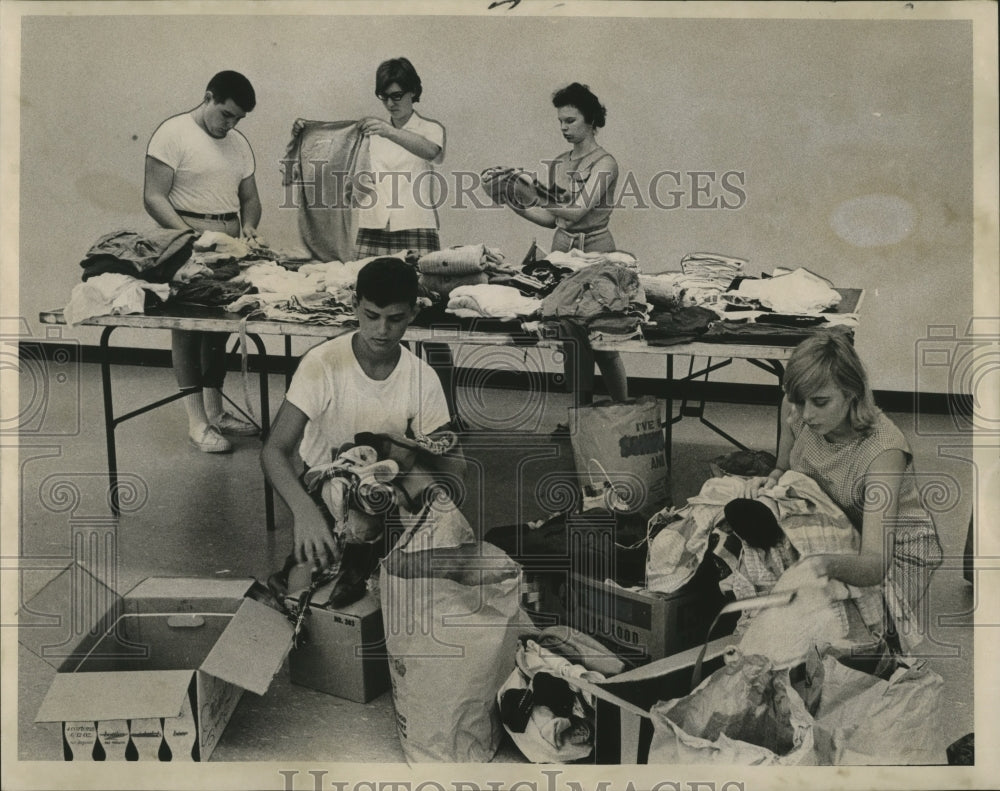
(375, 241)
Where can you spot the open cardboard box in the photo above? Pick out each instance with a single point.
(623, 728)
(154, 674)
(344, 654)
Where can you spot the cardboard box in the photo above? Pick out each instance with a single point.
(623, 729)
(543, 597)
(154, 674)
(641, 626)
(345, 654)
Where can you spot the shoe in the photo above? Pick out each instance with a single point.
(211, 441)
(232, 425)
(357, 564)
(754, 522)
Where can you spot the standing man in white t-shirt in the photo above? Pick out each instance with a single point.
(200, 175)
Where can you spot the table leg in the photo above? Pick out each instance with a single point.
(779, 371)
(109, 422)
(265, 424)
(669, 427)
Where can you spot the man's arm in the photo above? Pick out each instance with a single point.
(159, 178)
(311, 535)
(250, 209)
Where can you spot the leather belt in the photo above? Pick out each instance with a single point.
(227, 217)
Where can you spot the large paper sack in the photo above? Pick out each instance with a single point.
(862, 719)
(746, 713)
(452, 618)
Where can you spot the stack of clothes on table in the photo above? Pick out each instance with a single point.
(713, 299)
(132, 271)
(589, 296)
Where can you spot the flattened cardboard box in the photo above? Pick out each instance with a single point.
(154, 674)
(623, 729)
(345, 652)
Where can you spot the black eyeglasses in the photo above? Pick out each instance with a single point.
(396, 97)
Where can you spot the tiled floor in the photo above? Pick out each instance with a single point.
(198, 514)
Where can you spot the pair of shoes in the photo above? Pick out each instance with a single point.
(230, 424)
(211, 441)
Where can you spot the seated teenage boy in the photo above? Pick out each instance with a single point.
(365, 381)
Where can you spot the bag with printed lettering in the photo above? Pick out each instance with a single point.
(620, 448)
(452, 617)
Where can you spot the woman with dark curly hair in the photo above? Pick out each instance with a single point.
(588, 175)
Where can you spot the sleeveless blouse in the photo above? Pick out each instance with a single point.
(572, 175)
(840, 468)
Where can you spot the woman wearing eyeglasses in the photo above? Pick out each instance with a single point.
(586, 175)
(402, 214)
(398, 209)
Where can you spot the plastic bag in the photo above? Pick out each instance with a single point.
(452, 619)
(746, 713)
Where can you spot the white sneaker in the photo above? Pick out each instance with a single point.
(211, 441)
(230, 424)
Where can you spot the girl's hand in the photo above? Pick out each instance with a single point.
(374, 126)
(752, 486)
(298, 126)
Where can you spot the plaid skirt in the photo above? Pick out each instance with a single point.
(378, 241)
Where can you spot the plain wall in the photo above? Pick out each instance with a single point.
(854, 137)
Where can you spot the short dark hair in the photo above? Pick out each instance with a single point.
(401, 72)
(232, 85)
(386, 281)
(583, 99)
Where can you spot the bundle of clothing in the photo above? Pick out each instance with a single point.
(780, 309)
(463, 265)
(712, 299)
(490, 300)
(374, 479)
(752, 542)
(549, 719)
(518, 187)
(602, 301)
(132, 271)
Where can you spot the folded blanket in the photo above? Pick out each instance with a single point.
(459, 260)
(800, 291)
(491, 301)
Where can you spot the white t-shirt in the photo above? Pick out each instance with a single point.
(406, 189)
(207, 170)
(340, 400)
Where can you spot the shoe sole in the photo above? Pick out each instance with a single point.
(205, 448)
(238, 432)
